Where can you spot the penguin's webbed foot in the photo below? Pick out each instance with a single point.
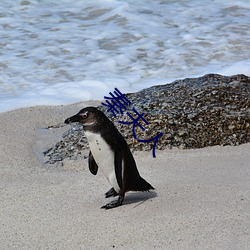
(111, 193)
(113, 204)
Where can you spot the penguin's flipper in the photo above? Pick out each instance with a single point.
(111, 193)
(93, 167)
(113, 204)
(118, 166)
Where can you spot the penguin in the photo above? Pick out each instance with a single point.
(110, 152)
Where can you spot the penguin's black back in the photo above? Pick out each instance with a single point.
(132, 180)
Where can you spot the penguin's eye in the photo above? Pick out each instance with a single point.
(84, 115)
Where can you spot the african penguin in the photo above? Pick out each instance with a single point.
(110, 152)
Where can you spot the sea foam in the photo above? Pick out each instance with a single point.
(63, 52)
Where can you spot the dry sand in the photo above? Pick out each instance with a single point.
(201, 201)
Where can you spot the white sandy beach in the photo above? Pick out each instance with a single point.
(201, 198)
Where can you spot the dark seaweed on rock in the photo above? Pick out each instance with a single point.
(191, 113)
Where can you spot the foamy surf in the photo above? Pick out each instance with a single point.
(63, 52)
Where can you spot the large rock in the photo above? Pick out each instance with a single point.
(191, 113)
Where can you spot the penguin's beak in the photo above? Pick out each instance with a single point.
(74, 118)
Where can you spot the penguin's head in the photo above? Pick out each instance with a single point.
(88, 117)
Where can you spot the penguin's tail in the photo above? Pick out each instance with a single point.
(141, 185)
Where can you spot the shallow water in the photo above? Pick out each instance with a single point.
(62, 52)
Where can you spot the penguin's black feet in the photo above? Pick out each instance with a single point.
(111, 193)
(113, 204)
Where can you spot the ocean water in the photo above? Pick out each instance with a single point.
(61, 52)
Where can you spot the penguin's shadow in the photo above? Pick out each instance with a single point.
(137, 198)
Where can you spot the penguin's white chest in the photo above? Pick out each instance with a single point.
(104, 157)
